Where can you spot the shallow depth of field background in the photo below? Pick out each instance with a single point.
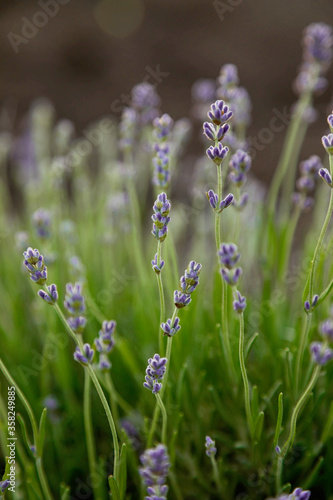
(93, 52)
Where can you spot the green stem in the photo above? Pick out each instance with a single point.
(289, 237)
(165, 379)
(278, 477)
(100, 392)
(91, 448)
(321, 236)
(244, 375)
(216, 474)
(38, 459)
(301, 348)
(288, 444)
(162, 299)
(164, 417)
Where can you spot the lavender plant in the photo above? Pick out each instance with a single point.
(247, 355)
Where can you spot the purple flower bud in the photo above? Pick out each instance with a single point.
(311, 166)
(330, 121)
(327, 141)
(169, 329)
(229, 255)
(74, 301)
(217, 153)
(326, 176)
(226, 202)
(104, 362)
(154, 373)
(320, 354)
(181, 299)
(77, 323)
(240, 161)
(212, 198)
(163, 126)
(154, 471)
(39, 277)
(210, 447)
(146, 101)
(157, 267)
(85, 356)
(228, 76)
(318, 42)
(239, 304)
(238, 178)
(219, 112)
(41, 221)
(326, 329)
(231, 277)
(203, 90)
(299, 494)
(161, 217)
(242, 202)
(307, 306)
(105, 341)
(277, 450)
(215, 133)
(190, 280)
(51, 297)
(4, 485)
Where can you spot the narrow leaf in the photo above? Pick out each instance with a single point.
(41, 432)
(279, 419)
(114, 488)
(123, 471)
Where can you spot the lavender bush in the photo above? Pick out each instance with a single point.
(236, 402)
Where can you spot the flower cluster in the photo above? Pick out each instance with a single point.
(309, 307)
(327, 141)
(4, 485)
(297, 494)
(320, 351)
(162, 129)
(51, 297)
(75, 305)
(210, 447)
(105, 343)
(306, 183)
(146, 102)
(240, 164)
(41, 221)
(317, 57)
(161, 218)
(154, 373)
(171, 328)
(187, 285)
(154, 471)
(34, 263)
(85, 357)
(229, 257)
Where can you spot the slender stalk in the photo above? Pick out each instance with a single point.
(288, 444)
(91, 448)
(216, 474)
(164, 417)
(39, 461)
(278, 476)
(244, 375)
(300, 350)
(162, 299)
(99, 390)
(321, 236)
(289, 237)
(165, 379)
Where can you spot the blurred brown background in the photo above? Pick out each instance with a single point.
(91, 53)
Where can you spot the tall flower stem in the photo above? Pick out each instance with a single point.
(224, 298)
(165, 380)
(78, 341)
(244, 375)
(91, 448)
(289, 237)
(164, 417)
(321, 238)
(162, 300)
(39, 462)
(300, 350)
(216, 473)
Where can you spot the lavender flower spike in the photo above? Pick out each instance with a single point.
(181, 299)
(157, 267)
(239, 303)
(51, 297)
(219, 113)
(326, 176)
(215, 134)
(85, 356)
(154, 373)
(171, 329)
(161, 217)
(74, 301)
(34, 263)
(210, 447)
(327, 141)
(190, 280)
(326, 329)
(229, 255)
(154, 471)
(41, 220)
(217, 153)
(320, 354)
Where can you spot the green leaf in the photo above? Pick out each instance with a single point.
(279, 419)
(114, 488)
(250, 344)
(122, 472)
(258, 427)
(255, 403)
(24, 432)
(41, 433)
